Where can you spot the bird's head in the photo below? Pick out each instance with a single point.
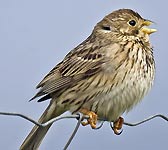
(124, 22)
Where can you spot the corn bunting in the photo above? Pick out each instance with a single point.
(103, 77)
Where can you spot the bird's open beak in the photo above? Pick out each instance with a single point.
(147, 30)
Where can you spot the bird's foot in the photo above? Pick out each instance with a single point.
(92, 120)
(117, 125)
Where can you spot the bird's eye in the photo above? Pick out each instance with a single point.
(107, 28)
(132, 22)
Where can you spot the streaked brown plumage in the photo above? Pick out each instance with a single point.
(108, 73)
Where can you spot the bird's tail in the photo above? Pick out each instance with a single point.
(35, 137)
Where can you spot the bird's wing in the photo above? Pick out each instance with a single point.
(79, 64)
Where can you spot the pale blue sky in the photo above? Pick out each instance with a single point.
(36, 35)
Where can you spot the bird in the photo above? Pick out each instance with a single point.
(103, 77)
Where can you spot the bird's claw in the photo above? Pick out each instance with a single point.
(92, 120)
(117, 125)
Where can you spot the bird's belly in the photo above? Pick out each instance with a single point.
(111, 105)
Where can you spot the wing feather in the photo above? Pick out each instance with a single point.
(79, 64)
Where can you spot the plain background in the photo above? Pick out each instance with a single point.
(36, 34)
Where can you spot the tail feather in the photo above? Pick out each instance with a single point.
(35, 137)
